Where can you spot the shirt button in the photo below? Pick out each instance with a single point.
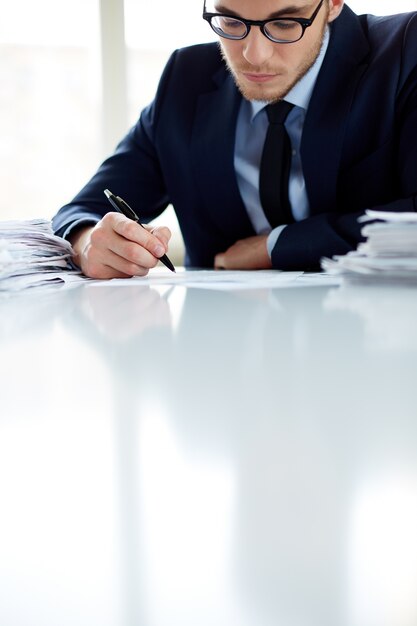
(294, 152)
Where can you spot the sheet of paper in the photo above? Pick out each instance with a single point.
(223, 280)
(208, 279)
(388, 216)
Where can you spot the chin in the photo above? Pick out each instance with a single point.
(266, 93)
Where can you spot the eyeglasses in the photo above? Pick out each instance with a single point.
(285, 30)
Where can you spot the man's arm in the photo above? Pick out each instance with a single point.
(107, 244)
(300, 245)
(133, 172)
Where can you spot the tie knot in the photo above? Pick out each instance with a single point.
(278, 111)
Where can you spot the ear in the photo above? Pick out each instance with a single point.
(335, 8)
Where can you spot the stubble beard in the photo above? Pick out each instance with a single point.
(265, 92)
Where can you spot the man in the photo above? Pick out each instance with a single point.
(202, 144)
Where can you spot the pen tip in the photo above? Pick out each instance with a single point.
(107, 193)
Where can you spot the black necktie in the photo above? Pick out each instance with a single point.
(275, 166)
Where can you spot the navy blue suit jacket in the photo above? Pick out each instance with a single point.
(359, 147)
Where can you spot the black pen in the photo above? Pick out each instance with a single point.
(120, 205)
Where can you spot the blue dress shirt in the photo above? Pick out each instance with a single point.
(252, 125)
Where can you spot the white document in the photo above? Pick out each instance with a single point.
(208, 279)
(389, 252)
(223, 280)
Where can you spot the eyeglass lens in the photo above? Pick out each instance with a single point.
(279, 30)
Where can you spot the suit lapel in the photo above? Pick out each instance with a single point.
(213, 142)
(325, 123)
(213, 138)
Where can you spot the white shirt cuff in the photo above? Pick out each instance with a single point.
(273, 238)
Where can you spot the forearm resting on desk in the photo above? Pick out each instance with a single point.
(246, 254)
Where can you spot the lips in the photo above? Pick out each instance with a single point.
(258, 78)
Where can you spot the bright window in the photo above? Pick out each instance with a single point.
(49, 103)
(151, 37)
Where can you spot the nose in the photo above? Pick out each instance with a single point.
(256, 47)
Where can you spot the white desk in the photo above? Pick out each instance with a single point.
(203, 458)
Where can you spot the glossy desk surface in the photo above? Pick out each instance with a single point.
(182, 457)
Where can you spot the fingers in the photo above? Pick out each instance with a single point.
(139, 235)
(162, 233)
(118, 247)
(219, 261)
(108, 262)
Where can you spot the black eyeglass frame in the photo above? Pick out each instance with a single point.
(305, 22)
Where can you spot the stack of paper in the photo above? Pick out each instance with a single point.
(31, 255)
(389, 252)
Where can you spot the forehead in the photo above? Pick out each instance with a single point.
(259, 8)
(258, 5)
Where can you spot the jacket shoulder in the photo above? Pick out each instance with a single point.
(388, 30)
(393, 39)
(203, 59)
(191, 71)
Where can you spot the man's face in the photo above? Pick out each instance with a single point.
(262, 69)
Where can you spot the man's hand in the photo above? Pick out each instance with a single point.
(117, 247)
(246, 254)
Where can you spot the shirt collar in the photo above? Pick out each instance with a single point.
(300, 94)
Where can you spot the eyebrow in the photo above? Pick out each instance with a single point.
(287, 11)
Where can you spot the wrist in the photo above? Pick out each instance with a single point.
(78, 241)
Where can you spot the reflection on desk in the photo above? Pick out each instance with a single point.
(174, 456)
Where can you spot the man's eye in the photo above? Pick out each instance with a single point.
(230, 24)
(283, 25)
